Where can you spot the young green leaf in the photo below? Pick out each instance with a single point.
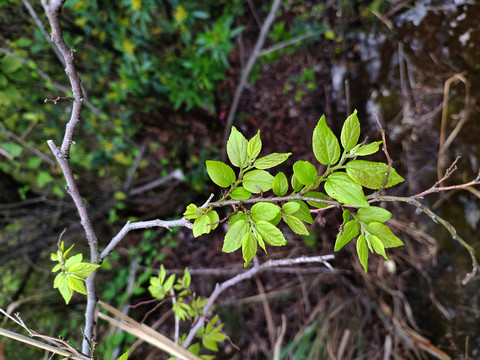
(350, 132)
(377, 245)
(382, 231)
(346, 215)
(65, 290)
(317, 195)
(372, 174)
(297, 226)
(305, 172)
(233, 238)
(368, 149)
(270, 233)
(239, 193)
(167, 285)
(348, 232)
(213, 219)
(73, 260)
(220, 173)
(325, 144)
(291, 207)
(280, 184)
(257, 181)
(124, 356)
(249, 247)
(343, 189)
(271, 160)
(56, 267)
(303, 212)
(82, 269)
(362, 251)
(237, 149)
(191, 212)
(237, 216)
(373, 214)
(296, 185)
(77, 285)
(264, 211)
(200, 226)
(254, 146)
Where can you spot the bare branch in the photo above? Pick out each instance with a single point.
(167, 224)
(174, 175)
(53, 9)
(247, 275)
(439, 220)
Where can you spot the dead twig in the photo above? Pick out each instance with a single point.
(250, 63)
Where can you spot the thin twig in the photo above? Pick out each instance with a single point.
(247, 275)
(278, 343)
(167, 224)
(40, 26)
(284, 44)
(439, 220)
(174, 175)
(250, 63)
(444, 144)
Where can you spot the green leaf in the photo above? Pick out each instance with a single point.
(377, 245)
(350, 132)
(65, 290)
(12, 148)
(343, 189)
(237, 216)
(191, 212)
(303, 212)
(200, 226)
(254, 146)
(382, 231)
(257, 181)
(77, 285)
(213, 219)
(297, 226)
(270, 233)
(346, 215)
(280, 184)
(305, 172)
(291, 207)
(264, 211)
(348, 232)
(9, 64)
(233, 238)
(82, 269)
(317, 195)
(362, 251)
(373, 214)
(296, 185)
(124, 356)
(43, 178)
(56, 267)
(368, 149)
(325, 144)
(237, 148)
(239, 193)
(220, 173)
(249, 247)
(73, 260)
(271, 160)
(167, 285)
(371, 174)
